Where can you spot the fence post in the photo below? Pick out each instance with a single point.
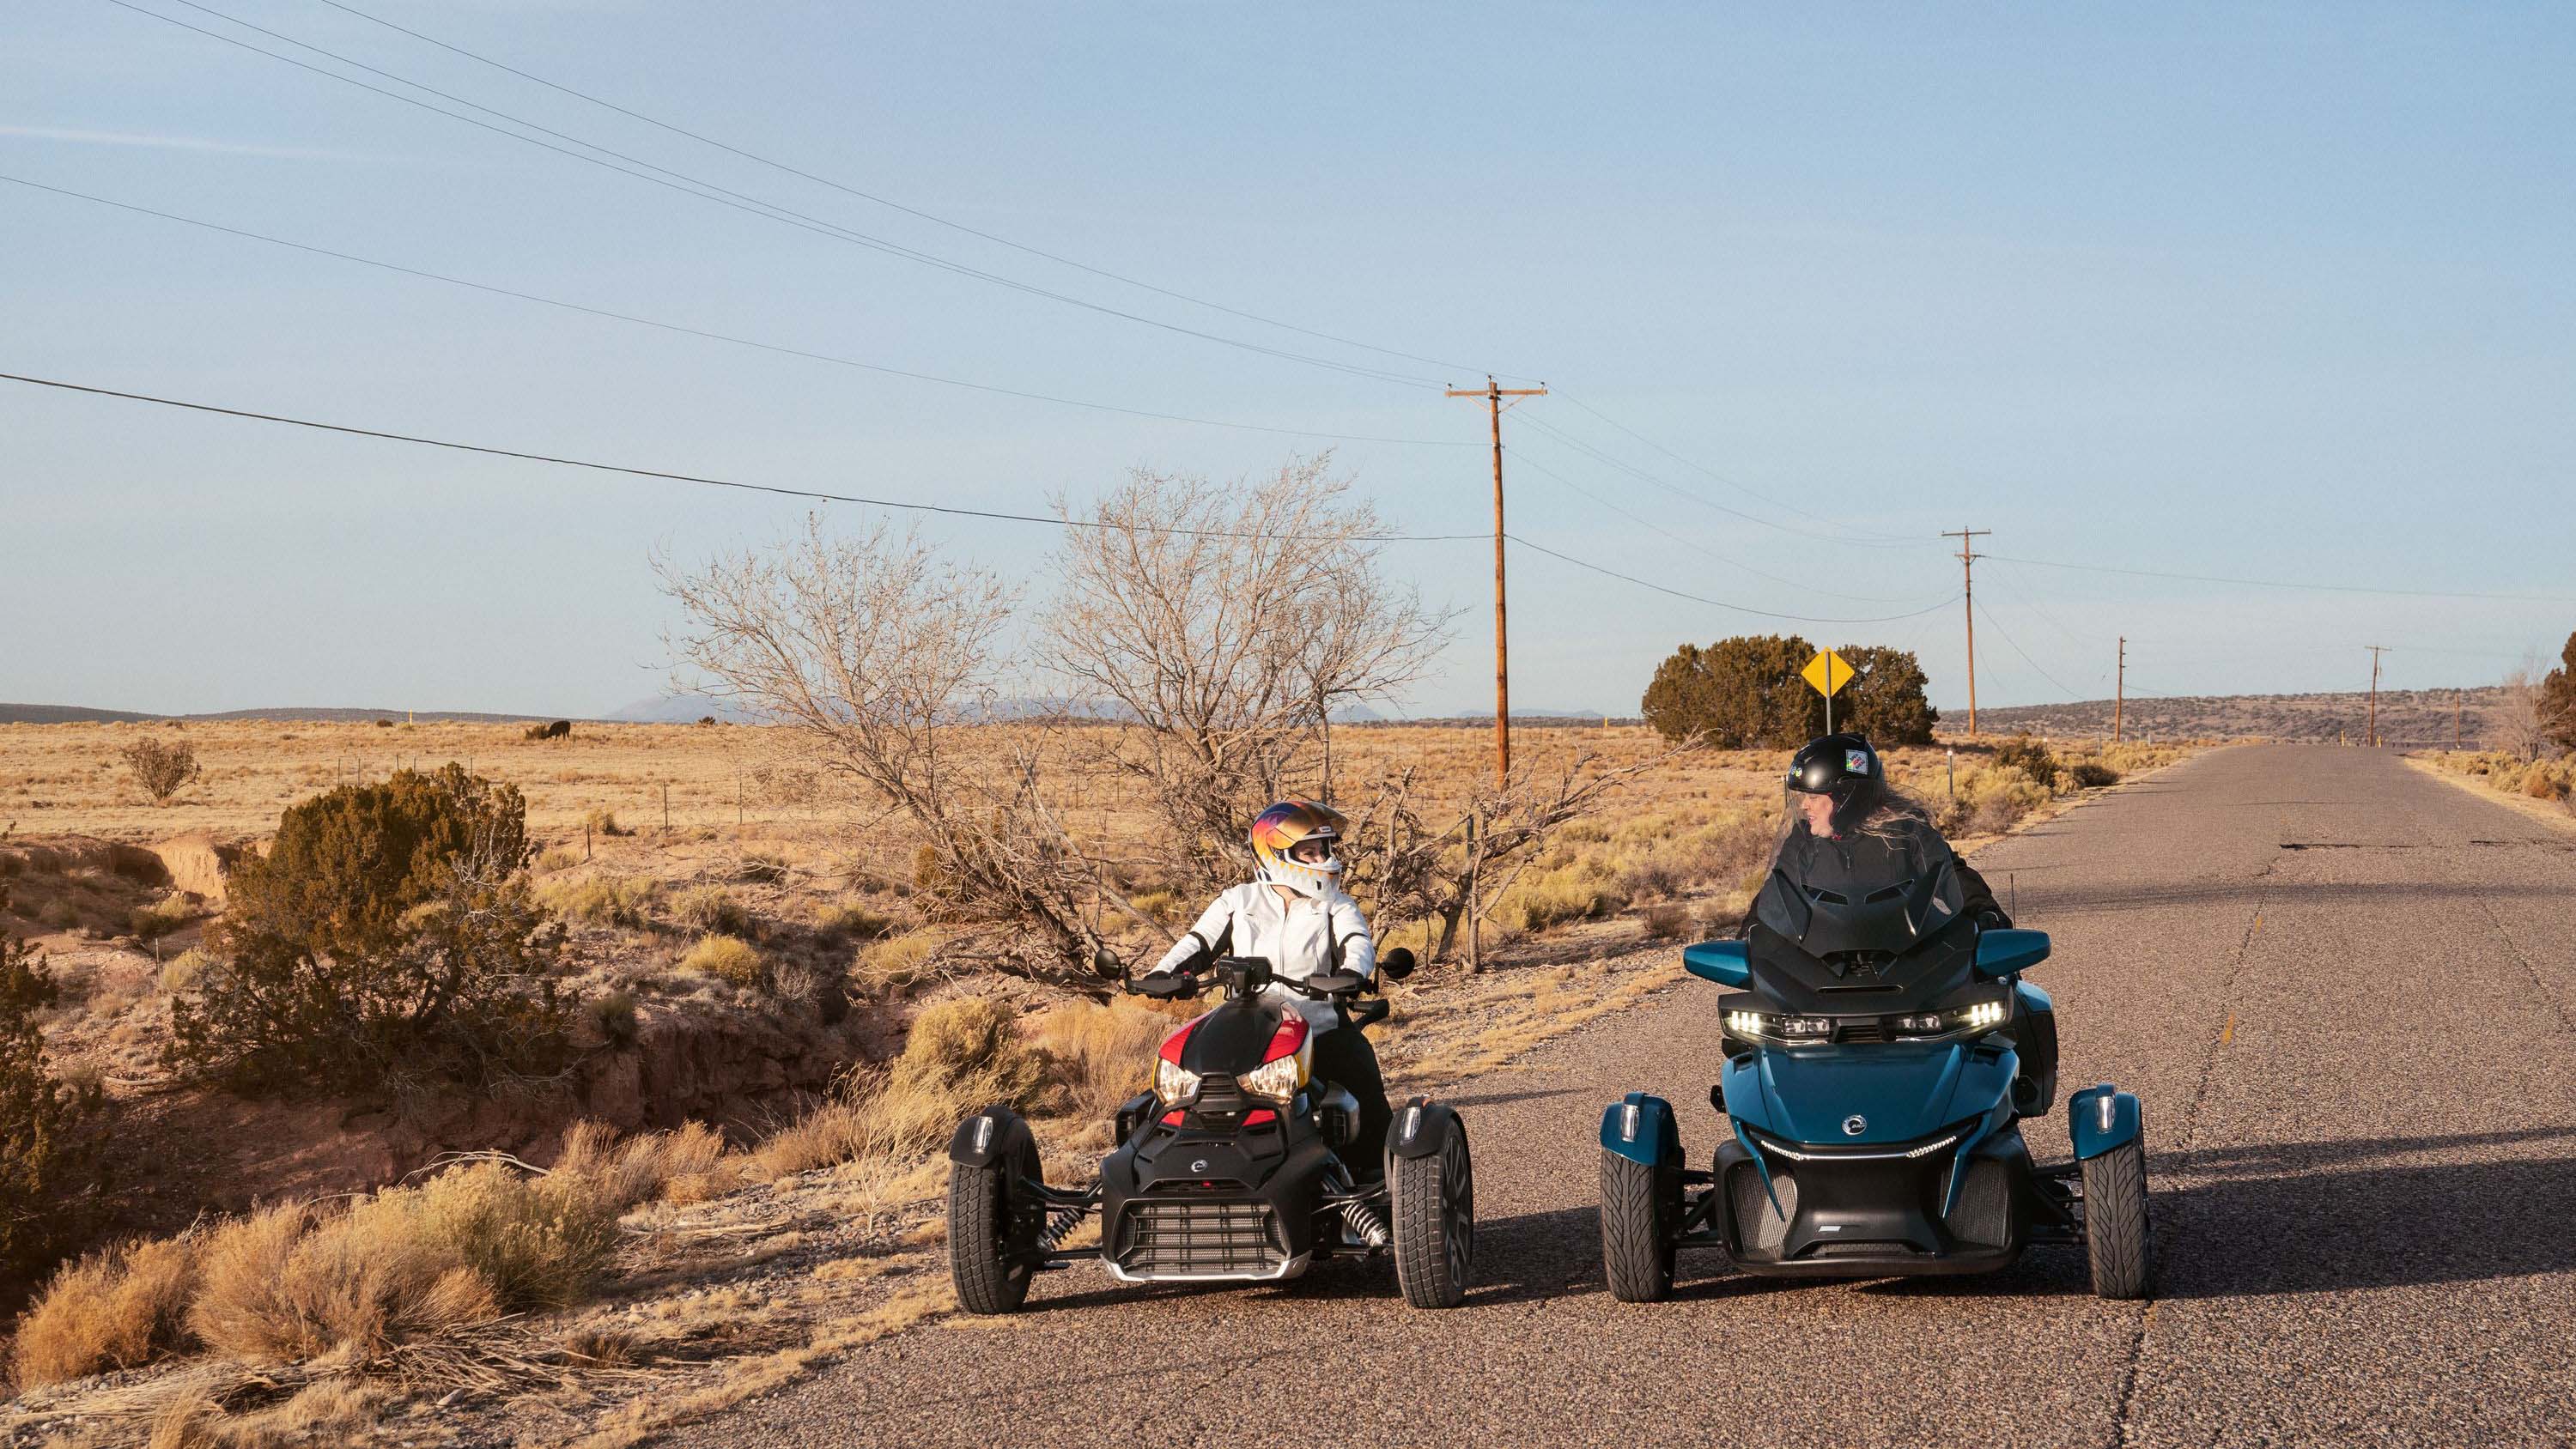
(1475, 869)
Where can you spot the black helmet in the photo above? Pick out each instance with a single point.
(1844, 767)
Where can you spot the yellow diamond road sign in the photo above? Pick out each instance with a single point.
(1828, 672)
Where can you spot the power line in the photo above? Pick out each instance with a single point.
(2025, 654)
(722, 196)
(1666, 529)
(913, 211)
(779, 489)
(1611, 461)
(701, 332)
(1700, 467)
(2282, 584)
(1702, 599)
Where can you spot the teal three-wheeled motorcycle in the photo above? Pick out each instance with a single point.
(1881, 1056)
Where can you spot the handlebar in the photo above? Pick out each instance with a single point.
(1244, 975)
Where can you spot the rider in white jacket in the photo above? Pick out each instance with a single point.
(1296, 916)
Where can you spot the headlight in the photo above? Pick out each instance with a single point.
(1274, 1080)
(1172, 1084)
(1780, 1028)
(1975, 1018)
(1984, 1016)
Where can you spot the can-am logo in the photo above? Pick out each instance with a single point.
(1854, 1125)
(1199, 1166)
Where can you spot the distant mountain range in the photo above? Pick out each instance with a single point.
(2417, 717)
(83, 714)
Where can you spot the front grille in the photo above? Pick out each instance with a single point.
(1762, 1229)
(1861, 1031)
(1200, 1239)
(1861, 1250)
(1984, 1213)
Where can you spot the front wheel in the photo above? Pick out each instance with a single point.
(1636, 1229)
(2115, 1220)
(1434, 1201)
(991, 1250)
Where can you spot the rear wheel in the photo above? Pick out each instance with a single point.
(991, 1242)
(1434, 1202)
(2115, 1220)
(1637, 1249)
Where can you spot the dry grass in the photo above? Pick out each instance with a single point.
(726, 958)
(114, 1309)
(898, 963)
(711, 908)
(601, 900)
(1099, 1056)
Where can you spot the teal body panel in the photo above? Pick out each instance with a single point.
(2031, 999)
(1723, 962)
(1899, 1092)
(2101, 1118)
(1640, 1128)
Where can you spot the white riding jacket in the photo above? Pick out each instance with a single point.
(1300, 938)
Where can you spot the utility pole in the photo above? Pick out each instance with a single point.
(2375, 651)
(1493, 397)
(1968, 571)
(2120, 689)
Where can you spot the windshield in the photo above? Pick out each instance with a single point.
(1886, 887)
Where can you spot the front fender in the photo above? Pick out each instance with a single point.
(993, 1135)
(2101, 1118)
(1422, 1128)
(1640, 1128)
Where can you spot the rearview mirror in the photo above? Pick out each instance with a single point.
(1397, 964)
(2004, 951)
(1106, 965)
(1720, 961)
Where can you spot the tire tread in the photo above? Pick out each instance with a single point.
(1635, 1253)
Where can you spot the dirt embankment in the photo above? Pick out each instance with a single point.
(117, 923)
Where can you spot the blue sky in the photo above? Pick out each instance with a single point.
(2259, 291)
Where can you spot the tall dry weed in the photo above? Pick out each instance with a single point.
(114, 1309)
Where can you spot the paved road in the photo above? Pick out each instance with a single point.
(2347, 994)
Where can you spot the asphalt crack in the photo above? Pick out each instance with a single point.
(2124, 1402)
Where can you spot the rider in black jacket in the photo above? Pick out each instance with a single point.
(1846, 827)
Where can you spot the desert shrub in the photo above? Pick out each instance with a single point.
(160, 918)
(557, 858)
(161, 767)
(294, 1282)
(388, 933)
(1166, 907)
(600, 900)
(614, 1014)
(605, 823)
(2543, 783)
(1748, 691)
(559, 730)
(181, 972)
(536, 1242)
(1994, 800)
(898, 963)
(846, 918)
(969, 1045)
(2087, 775)
(765, 867)
(726, 958)
(115, 1309)
(44, 1157)
(1544, 899)
(711, 908)
(2031, 757)
(1667, 921)
(1099, 1056)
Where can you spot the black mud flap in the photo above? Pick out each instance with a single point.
(996, 1134)
(1421, 1128)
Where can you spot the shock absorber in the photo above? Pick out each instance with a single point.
(1367, 1222)
(1063, 1222)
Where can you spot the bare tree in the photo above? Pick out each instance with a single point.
(161, 769)
(2518, 722)
(1440, 873)
(878, 653)
(1226, 623)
